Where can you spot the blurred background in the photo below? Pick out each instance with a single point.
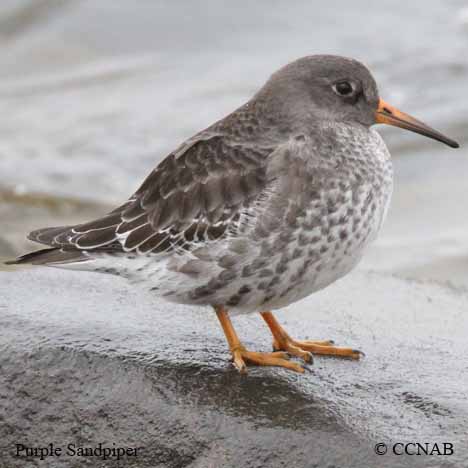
(94, 94)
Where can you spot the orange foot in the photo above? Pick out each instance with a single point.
(241, 356)
(304, 349)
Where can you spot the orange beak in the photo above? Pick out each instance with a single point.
(387, 114)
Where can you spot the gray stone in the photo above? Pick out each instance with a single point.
(85, 358)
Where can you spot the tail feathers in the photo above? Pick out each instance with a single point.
(52, 256)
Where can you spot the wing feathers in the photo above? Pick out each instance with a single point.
(102, 223)
(94, 239)
(196, 194)
(46, 235)
(138, 236)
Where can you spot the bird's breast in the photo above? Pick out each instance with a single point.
(324, 216)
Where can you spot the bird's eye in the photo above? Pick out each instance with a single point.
(343, 88)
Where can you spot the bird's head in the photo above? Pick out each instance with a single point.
(338, 89)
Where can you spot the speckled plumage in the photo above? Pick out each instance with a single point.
(266, 206)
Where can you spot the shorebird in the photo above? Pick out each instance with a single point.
(275, 201)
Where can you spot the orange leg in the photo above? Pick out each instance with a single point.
(303, 349)
(240, 355)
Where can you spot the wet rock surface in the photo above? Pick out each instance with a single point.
(87, 359)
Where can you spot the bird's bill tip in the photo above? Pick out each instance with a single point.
(387, 114)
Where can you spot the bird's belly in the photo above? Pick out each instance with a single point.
(330, 261)
(305, 259)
